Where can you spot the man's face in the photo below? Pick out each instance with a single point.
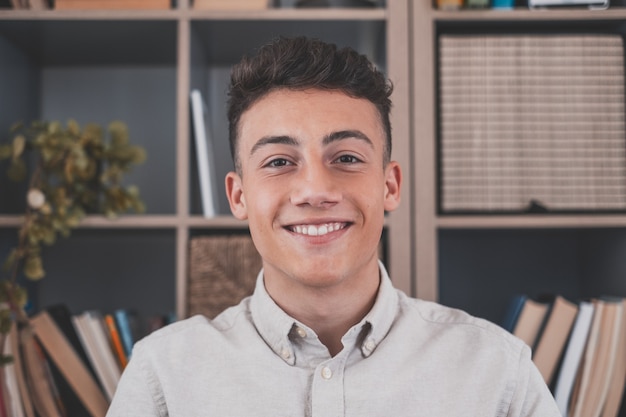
(313, 186)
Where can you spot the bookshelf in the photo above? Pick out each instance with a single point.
(139, 66)
(478, 262)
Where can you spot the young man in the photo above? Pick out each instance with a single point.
(325, 333)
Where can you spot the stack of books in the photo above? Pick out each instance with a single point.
(579, 348)
(531, 121)
(64, 364)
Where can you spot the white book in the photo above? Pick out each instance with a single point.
(16, 406)
(573, 357)
(204, 153)
(96, 345)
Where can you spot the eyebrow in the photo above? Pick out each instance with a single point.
(347, 134)
(274, 140)
(328, 139)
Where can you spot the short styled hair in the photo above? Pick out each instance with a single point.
(301, 63)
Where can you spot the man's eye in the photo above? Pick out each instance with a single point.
(277, 163)
(348, 159)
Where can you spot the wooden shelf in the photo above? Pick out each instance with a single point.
(144, 221)
(287, 14)
(531, 221)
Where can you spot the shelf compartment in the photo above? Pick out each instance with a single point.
(96, 71)
(106, 270)
(481, 270)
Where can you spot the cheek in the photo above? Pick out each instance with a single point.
(263, 207)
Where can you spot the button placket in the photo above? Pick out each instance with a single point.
(327, 396)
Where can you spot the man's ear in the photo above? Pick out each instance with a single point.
(234, 193)
(393, 181)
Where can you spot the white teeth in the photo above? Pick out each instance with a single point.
(317, 230)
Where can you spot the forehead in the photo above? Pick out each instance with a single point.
(308, 115)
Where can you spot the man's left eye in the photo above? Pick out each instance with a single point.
(348, 159)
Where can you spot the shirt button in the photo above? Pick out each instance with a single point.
(327, 373)
(369, 345)
(285, 354)
(301, 332)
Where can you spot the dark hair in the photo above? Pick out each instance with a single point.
(301, 63)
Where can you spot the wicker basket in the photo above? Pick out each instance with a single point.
(222, 271)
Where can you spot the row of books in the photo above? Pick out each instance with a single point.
(579, 349)
(510, 4)
(532, 117)
(136, 4)
(90, 4)
(64, 364)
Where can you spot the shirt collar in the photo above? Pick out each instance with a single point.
(275, 326)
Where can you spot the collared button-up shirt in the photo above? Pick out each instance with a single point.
(407, 357)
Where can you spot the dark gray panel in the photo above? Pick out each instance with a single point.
(481, 270)
(143, 97)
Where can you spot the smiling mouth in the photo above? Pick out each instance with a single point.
(317, 229)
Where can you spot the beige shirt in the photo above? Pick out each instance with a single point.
(407, 357)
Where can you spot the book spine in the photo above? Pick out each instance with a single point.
(116, 341)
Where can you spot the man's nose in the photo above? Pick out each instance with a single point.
(315, 186)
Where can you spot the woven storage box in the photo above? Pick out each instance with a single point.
(222, 271)
(532, 119)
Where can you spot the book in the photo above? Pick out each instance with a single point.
(572, 358)
(204, 154)
(449, 4)
(530, 320)
(115, 340)
(112, 4)
(596, 373)
(618, 380)
(62, 318)
(14, 389)
(553, 338)
(513, 312)
(90, 328)
(40, 386)
(231, 4)
(38, 4)
(73, 369)
(20, 375)
(126, 322)
(5, 400)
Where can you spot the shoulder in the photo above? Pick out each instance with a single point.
(196, 331)
(454, 325)
(182, 330)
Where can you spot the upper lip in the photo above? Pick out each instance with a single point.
(315, 222)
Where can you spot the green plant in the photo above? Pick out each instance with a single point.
(74, 172)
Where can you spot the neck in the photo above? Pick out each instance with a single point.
(329, 310)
